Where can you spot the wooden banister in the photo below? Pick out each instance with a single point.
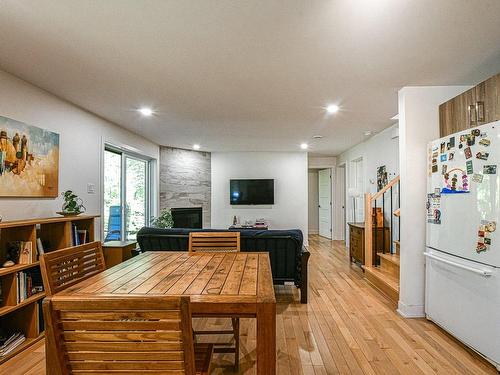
(369, 199)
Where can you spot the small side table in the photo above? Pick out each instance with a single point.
(116, 252)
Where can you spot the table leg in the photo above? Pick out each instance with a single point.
(266, 338)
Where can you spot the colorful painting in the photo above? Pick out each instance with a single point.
(381, 177)
(29, 160)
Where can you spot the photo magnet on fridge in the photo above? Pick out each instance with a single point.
(452, 142)
(487, 241)
(475, 132)
(484, 142)
(434, 168)
(490, 169)
(469, 167)
(482, 155)
(476, 177)
(468, 153)
(451, 156)
(481, 247)
(442, 148)
(443, 157)
(471, 140)
(444, 168)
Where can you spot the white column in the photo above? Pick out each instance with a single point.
(418, 125)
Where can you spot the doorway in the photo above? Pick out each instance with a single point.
(325, 202)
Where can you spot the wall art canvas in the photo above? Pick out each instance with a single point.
(381, 177)
(29, 160)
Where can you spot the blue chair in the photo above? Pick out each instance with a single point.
(114, 224)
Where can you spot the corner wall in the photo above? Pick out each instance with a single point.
(82, 136)
(289, 171)
(418, 125)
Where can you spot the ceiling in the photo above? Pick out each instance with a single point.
(247, 75)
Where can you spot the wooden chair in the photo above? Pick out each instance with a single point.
(133, 335)
(219, 242)
(66, 267)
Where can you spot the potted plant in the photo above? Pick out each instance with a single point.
(73, 205)
(164, 220)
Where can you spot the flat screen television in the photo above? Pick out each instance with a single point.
(251, 192)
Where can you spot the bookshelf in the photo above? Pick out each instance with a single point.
(55, 233)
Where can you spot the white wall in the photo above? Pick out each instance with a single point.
(313, 202)
(289, 171)
(379, 150)
(321, 162)
(82, 135)
(418, 125)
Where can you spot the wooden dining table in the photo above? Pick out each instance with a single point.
(219, 284)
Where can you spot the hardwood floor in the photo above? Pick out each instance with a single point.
(346, 328)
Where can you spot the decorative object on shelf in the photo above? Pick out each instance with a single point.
(1, 218)
(73, 205)
(164, 220)
(13, 253)
(381, 177)
(29, 160)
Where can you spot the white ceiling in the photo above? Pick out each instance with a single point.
(248, 75)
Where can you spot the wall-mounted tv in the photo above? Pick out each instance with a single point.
(251, 192)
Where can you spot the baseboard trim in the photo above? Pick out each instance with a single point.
(411, 311)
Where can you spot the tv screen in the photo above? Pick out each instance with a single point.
(248, 192)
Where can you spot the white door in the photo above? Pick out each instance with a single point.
(325, 202)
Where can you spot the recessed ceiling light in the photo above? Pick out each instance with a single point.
(304, 146)
(145, 111)
(317, 136)
(196, 147)
(332, 108)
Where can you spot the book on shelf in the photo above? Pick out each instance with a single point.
(10, 343)
(79, 236)
(29, 283)
(41, 322)
(39, 246)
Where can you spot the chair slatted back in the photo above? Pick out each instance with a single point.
(64, 268)
(214, 242)
(134, 334)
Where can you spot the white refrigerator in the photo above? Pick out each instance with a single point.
(463, 241)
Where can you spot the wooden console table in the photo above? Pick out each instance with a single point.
(357, 241)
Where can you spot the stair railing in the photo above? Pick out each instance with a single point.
(372, 221)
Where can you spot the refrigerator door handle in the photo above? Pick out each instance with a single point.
(481, 272)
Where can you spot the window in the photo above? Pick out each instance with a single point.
(126, 194)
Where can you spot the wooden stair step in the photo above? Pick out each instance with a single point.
(385, 282)
(393, 258)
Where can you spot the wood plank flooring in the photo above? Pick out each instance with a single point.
(346, 328)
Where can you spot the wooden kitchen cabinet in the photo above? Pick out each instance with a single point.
(477, 106)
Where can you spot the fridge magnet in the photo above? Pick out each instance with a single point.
(481, 247)
(463, 138)
(490, 169)
(475, 132)
(482, 155)
(460, 145)
(476, 177)
(442, 148)
(484, 142)
(471, 140)
(433, 208)
(435, 154)
(443, 158)
(488, 226)
(487, 241)
(434, 168)
(456, 181)
(444, 168)
(469, 167)
(437, 192)
(452, 142)
(451, 156)
(468, 153)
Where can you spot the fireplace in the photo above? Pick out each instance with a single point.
(188, 217)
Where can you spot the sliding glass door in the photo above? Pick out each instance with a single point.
(126, 194)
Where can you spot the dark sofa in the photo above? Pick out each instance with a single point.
(286, 251)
